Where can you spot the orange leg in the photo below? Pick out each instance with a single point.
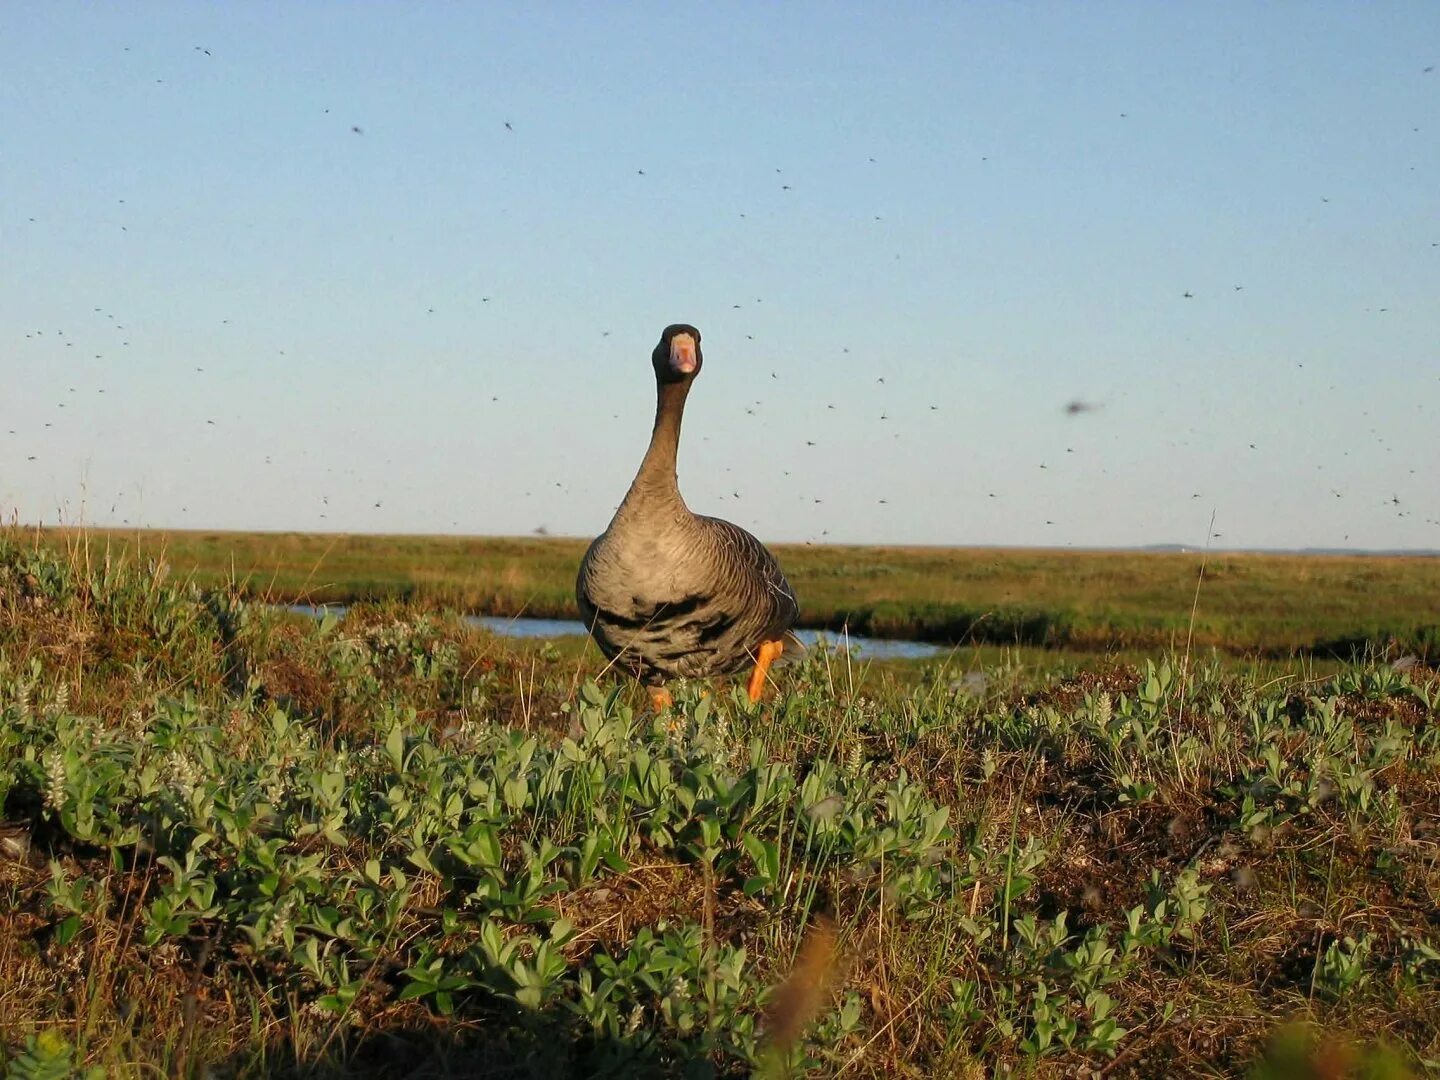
(660, 698)
(769, 651)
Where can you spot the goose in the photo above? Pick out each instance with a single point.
(667, 593)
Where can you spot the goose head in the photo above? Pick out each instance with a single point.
(677, 358)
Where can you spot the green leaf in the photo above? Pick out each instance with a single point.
(68, 928)
(395, 747)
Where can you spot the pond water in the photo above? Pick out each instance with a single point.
(869, 648)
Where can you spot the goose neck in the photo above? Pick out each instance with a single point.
(657, 470)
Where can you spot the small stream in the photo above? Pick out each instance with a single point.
(869, 648)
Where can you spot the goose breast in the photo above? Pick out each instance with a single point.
(695, 606)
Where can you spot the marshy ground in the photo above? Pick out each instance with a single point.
(237, 842)
(1249, 604)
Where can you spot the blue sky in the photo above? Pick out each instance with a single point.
(438, 324)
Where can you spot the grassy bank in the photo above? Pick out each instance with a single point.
(237, 843)
(1264, 604)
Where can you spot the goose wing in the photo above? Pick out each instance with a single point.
(747, 578)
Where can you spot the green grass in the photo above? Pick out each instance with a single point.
(236, 842)
(1270, 605)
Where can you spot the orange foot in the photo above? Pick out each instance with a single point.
(769, 651)
(660, 698)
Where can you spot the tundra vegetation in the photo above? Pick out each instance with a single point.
(239, 842)
(1274, 606)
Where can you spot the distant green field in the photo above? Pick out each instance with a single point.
(1247, 603)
